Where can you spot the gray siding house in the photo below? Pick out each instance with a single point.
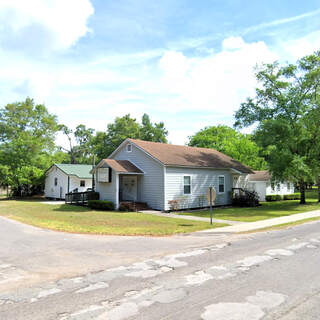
(156, 173)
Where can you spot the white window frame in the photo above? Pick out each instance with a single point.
(127, 147)
(187, 194)
(224, 184)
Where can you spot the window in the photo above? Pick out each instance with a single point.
(55, 181)
(278, 187)
(187, 185)
(221, 184)
(129, 147)
(82, 183)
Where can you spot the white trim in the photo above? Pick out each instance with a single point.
(115, 151)
(128, 140)
(224, 184)
(131, 173)
(238, 172)
(187, 194)
(117, 191)
(121, 172)
(97, 166)
(147, 153)
(137, 167)
(199, 167)
(164, 188)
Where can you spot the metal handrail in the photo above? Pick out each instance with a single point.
(81, 198)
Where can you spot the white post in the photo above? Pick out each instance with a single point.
(117, 191)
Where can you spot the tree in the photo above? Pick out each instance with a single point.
(280, 106)
(227, 140)
(152, 132)
(312, 125)
(27, 134)
(104, 143)
(80, 143)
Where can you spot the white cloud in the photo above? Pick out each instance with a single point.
(233, 43)
(292, 50)
(216, 83)
(52, 23)
(186, 93)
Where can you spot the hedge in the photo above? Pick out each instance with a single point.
(273, 197)
(101, 205)
(293, 196)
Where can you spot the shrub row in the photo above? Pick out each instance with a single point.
(273, 197)
(101, 205)
(293, 196)
(277, 197)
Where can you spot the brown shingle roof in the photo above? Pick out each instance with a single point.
(121, 166)
(262, 175)
(175, 155)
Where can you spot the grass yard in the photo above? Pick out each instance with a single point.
(266, 211)
(83, 220)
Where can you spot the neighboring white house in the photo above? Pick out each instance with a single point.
(156, 173)
(64, 178)
(260, 182)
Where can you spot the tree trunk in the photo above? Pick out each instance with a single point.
(318, 184)
(302, 192)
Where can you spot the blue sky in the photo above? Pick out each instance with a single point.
(186, 63)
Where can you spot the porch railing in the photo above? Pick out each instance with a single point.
(81, 198)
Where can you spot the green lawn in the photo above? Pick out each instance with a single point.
(266, 211)
(83, 220)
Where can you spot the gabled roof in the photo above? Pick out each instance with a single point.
(262, 175)
(120, 166)
(175, 155)
(82, 171)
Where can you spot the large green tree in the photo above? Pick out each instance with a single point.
(27, 135)
(227, 140)
(283, 100)
(80, 149)
(104, 143)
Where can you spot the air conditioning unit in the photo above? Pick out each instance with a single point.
(104, 175)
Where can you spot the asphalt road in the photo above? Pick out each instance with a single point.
(270, 275)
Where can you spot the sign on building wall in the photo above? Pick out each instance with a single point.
(103, 175)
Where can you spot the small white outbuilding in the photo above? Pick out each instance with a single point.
(260, 182)
(64, 178)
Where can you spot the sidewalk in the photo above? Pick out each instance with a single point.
(180, 216)
(250, 226)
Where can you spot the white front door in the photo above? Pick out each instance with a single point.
(129, 188)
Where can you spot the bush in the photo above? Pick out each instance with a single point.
(101, 205)
(174, 205)
(273, 197)
(293, 196)
(246, 199)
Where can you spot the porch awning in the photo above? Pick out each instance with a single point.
(120, 166)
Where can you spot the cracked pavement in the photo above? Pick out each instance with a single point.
(270, 275)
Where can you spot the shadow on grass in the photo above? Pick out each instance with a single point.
(71, 208)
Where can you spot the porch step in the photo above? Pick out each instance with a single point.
(135, 206)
